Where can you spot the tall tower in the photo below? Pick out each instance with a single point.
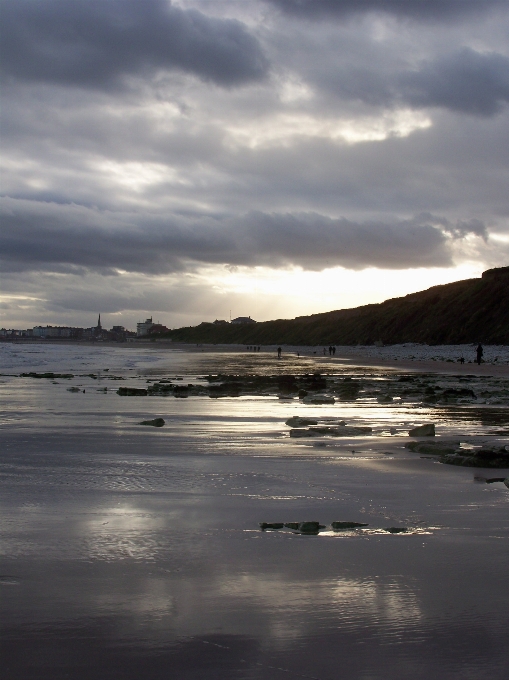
(99, 327)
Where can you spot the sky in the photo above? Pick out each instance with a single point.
(192, 159)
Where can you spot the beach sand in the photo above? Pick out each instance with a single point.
(130, 551)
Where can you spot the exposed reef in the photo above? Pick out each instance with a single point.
(452, 453)
(318, 389)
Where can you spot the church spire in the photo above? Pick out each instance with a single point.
(99, 323)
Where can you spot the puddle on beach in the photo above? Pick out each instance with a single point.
(130, 551)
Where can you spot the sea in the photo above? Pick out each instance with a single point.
(129, 551)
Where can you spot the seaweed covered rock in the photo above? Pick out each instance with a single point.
(340, 431)
(348, 389)
(48, 376)
(451, 453)
(271, 525)
(462, 392)
(297, 421)
(318, 399)
(287, 384)
(310, 527)
(132, 392)
(224, 390)
(155, 422)
(494, 457)
(437, 448)
(162, 388)
(343, 526)
(423, 431)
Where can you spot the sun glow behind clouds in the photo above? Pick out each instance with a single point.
(270, 293)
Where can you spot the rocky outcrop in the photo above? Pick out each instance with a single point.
(343, 526)
(423, 431)
(340, 431)
(132, 392)
(318, 399)
(437, 448)
(302, 527)
(451, 453)
(296, 421)
(48, 376)
(493, 457)
(155, 422)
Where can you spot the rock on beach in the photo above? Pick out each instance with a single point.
(423, 431)
(155, 422)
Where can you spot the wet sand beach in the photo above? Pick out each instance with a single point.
(132, 551)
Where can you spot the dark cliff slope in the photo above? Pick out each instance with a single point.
(475, 310)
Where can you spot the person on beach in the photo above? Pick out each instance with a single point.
(479, 352)
(279, 352)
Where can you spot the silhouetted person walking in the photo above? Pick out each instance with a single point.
(279, 352)
(479, 352)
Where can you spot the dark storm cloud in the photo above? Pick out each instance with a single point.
(51, 237)
(416, 9)
(95, 43)
(464, 81)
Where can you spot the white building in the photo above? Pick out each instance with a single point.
(51, 332)
(143, 327)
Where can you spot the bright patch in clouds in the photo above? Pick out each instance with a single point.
(282, 130)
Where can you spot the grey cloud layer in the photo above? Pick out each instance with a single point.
(94, 43)
(415, 9)
(132, 143)
(49, 236)
(464, 81)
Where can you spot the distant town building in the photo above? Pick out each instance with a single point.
(219, 322)
(51, 332)
(118, 333)
(157, 328)
(14, 333)
(98, 329)
(243, 319)
(143, 327)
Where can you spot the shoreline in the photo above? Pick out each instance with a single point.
(343, 356)
(419, 366)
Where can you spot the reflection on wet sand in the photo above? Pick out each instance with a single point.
(129, 551)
